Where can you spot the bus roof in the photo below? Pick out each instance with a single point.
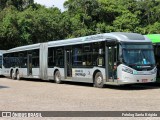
(119, 36)
(2, 51)
(23, 48)
(155, 38)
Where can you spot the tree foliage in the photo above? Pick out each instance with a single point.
(18, 4)
(22, 22)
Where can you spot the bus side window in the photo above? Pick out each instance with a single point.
(35, 58)
(98, 54)
(87, 54)
(77, 55)
(51, 60)
(59, 56)
(100, 61)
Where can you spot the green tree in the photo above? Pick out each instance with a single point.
(9, 33)
(126, 22)
(19, 4)
(39, 24)
(22, 22)
(83, 16)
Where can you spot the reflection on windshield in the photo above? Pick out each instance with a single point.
(138, 57)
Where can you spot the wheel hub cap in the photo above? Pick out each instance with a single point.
(99, 80)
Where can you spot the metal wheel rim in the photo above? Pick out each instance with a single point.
(57, 78)
(12, 75)
(99, 80)
(18, 76)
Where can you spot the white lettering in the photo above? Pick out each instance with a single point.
(127, 115)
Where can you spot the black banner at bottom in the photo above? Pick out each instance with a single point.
(29, 114)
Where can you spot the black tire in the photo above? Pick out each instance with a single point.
(127, 85)
(98, 80)
(11, 74)
(17, 75)
(57, 77)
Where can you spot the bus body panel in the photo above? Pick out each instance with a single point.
(36, 72)
(6, 71)
(51, 73)
(136, 76)
(131, 79)
(86, 74)
(23, 72)
(43, 61)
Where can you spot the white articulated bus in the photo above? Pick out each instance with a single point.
(109, 58)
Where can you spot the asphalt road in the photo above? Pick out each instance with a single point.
(38, 95)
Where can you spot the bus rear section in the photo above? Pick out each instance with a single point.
(22, 62)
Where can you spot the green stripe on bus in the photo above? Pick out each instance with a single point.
(155, 38)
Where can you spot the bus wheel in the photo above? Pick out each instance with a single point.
(17, 75)
(57, 77)
(98, 80)
(12, 75)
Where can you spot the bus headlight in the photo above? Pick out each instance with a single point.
(128, 70)
(154, 71)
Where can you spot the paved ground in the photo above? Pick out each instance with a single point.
(37, 95)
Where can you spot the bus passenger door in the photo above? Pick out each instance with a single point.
(29, 67)
(111, 53)
(68, 63)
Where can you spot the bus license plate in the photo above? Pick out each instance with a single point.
(144, 80)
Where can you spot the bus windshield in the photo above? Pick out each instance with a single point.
(138, 56)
